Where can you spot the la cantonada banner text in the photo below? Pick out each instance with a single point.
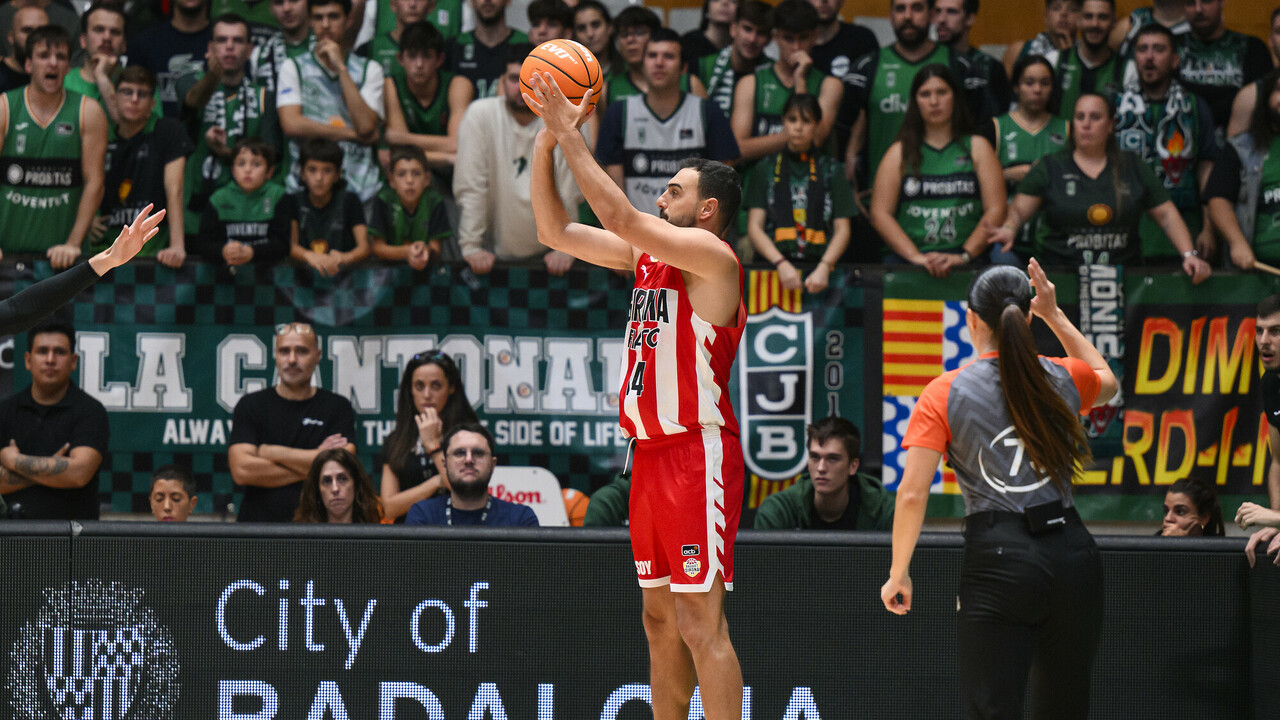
(169, 353)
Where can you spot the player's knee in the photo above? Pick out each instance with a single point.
(659, 620)
(700, 626)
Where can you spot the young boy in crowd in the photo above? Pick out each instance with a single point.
(425, 103)
(408, 222)
(799, 202)
(327, 227)
(173, 494)
(236, 225)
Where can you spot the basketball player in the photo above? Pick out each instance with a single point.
(686, 318)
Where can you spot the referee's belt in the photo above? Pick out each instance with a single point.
(811, 236)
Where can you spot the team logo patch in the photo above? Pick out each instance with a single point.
(13, 174)
(93, 651)
(911, 187)
(686, 133)
(641, 163)
(65, 129)
(775, 372)
(688, 550)
(1100, 214)
(692, 567)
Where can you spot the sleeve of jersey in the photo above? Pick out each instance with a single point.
(1153, 190)
(1087, 382)
(288, 86)
(1224, 179)
(721, 144)
(928, 426)
(609, 146)
(1036, 180)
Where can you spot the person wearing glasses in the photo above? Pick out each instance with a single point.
(469, 463)
(431, 400)
(278, 432)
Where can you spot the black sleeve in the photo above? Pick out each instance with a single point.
(93, 429)
(278, 234)
(342, 418)
(721, 144)
(211, 236)
(999, 88)
(379, 223)
(1224, 180)
(1257, 60)
(353, 210)
(28, 307)
(244, 429)
(857, 84)
(174, 142)
(609, 144)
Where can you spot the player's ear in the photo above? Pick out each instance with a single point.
(709, 208)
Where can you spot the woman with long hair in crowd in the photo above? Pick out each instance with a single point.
(1091, 196)
(337, 490)
(938, 188)
(1191, 509)
(1026, 134)
(430, 401)
(1030, 598)
(593, 27)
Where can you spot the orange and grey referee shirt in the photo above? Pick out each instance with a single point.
(962, 414)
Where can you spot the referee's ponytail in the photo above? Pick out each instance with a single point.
(1053, 436)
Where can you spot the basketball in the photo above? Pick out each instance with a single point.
(575, 505)
(571, 65)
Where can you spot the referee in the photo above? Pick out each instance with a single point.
(1031, 582)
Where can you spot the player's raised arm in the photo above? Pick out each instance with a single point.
(692, 249)
(555, 229)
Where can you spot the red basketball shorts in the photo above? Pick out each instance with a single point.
(686, 500)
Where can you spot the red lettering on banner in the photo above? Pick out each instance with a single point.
(523, 497)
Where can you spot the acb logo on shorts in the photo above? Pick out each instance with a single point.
(775, 370)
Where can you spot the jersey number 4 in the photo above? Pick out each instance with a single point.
(635, 384)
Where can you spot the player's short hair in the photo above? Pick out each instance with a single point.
(256, 146)
(52, 35)
(806, 104)
(230, 18)
(407, 153)
(474, 427)
(178, 473)
(837, 427)
(1112, 3)
(719, 181)
(636, 16)
(109, 6)
(313, 4)
(554, 10)
(1270, 305)
(1156, 28)
(53, 326)
(756, 12)
(320, 150)
(137, 75)
(421, 37)
(517, 52)
(795, 16)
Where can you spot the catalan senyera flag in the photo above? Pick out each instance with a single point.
(913, 341)
(764, 290)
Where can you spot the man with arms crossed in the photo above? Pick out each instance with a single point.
(277, 432)
(685, 322)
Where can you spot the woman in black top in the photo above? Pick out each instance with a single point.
(431, 400)
(1092, 196)
(25, 309)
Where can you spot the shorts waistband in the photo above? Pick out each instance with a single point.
(686, 436)
(992, 518)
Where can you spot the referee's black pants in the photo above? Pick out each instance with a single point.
(1028, 605)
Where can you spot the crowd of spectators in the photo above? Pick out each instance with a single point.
(322, 133)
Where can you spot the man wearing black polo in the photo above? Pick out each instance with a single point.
(276, 433)
(53, 435)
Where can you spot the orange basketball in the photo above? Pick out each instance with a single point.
(571, 65)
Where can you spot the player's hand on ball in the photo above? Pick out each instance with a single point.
(560, 115)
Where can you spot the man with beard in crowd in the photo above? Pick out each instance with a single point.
(839, 43)
(952, 21)
(469, 463)
(1089, 66)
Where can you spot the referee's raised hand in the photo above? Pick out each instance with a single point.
(129, 242)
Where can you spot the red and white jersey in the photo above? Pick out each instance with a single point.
(676, 375)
